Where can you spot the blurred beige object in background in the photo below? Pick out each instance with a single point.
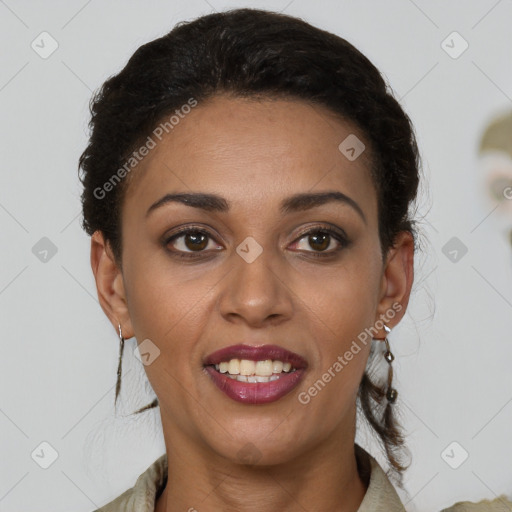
(495, 151)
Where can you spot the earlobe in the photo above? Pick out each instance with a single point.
(109, 284)
(397, 279)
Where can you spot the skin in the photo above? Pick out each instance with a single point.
(254, 154)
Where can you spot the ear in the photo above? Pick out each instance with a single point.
(110, 285)
(397, 279)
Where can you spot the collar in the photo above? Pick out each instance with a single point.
(380, 496)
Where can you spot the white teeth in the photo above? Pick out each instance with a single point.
(258, 378)
(234, 366)
(264, 368)
(245, 370)
(277, 366)
(247, 367)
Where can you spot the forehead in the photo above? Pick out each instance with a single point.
(252, 150)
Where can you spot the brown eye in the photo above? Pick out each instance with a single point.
(189, 241)
(320, 241)
(195, 241)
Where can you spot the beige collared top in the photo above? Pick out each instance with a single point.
(380, 496)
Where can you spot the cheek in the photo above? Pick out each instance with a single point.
(172, 315)
(343, 302)
(169, 311)
(340, 308)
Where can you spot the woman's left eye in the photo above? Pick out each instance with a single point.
(321, 240)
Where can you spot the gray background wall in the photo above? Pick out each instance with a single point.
(59, 352)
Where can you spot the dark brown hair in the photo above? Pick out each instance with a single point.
(255, 53)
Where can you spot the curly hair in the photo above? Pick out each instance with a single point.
(255, 53)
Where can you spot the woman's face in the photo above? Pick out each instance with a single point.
(253, 275)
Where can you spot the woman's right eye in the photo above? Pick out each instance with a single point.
(189, 241)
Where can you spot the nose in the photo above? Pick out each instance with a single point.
(255, 291)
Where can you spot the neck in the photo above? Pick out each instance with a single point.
(323, 478)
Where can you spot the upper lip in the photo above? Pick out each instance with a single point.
(260, 353)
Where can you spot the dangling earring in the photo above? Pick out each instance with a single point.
(121, 349)
(154, 403)
(391, 393)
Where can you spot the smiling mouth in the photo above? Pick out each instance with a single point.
(245, 370)
(255, 375)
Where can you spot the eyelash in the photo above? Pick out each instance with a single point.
(339, 237)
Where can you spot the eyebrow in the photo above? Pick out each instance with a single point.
(295, 203)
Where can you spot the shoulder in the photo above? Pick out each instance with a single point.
(500, 504)
(142, 496)
(381, 496)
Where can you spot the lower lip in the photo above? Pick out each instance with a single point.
(256, 392)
